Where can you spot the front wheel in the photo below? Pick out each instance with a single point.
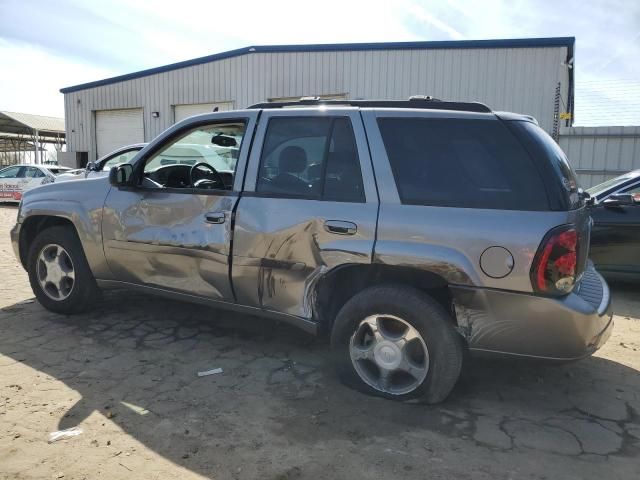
(59, 274)
(399, 343)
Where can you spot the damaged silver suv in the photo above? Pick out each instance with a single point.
(406, 231)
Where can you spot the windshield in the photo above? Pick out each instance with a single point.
(611, 184)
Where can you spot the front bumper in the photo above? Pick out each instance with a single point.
(527, 325)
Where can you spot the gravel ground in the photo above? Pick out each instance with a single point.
(126, 374)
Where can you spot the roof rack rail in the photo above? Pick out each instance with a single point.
(416, 101)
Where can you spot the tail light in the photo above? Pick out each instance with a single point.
(554, 270)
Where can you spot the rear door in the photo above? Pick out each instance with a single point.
(309, 205)
(33, 177)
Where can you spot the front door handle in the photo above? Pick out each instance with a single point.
(340, 227)
(216, 217)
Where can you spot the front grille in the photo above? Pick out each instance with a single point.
(590, 288)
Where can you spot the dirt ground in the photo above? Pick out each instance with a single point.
(126, 374)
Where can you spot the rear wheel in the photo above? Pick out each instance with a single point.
(59, 274)
(399, 343)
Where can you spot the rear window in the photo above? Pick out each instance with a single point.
(461, 163)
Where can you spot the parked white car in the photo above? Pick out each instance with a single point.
(101, 167)
(17, 179)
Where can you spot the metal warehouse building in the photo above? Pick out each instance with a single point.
(532, 76)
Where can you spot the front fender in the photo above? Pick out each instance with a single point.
(81, 204)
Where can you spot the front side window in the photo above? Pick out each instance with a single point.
(461, 163)
(312, 158)
(212, 149)
(11, 172)
(123, 157)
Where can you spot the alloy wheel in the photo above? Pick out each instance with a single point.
(55, 272)
(389, 354)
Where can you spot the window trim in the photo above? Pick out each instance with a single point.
(327, 145)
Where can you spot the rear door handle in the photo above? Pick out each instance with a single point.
(217, 217)
(340, 227)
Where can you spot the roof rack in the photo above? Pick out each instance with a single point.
(417, 101)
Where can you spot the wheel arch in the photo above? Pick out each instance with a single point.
(33, 225)
(338, 285)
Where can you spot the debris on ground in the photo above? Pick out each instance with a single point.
(135, 408)
(210, 372)
(64, 434)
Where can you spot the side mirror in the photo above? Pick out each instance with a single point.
(619, 200)
(121, 175)
(91, 167)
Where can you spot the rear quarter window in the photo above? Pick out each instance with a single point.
(461, 163)
(561, 180)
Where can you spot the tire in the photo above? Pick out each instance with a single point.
(359, 352)
(75, 294)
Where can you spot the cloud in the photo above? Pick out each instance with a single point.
(32, 77)
(422, 17)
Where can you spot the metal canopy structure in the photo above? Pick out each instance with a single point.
(23, 133)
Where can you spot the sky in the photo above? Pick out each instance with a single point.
(46, 45)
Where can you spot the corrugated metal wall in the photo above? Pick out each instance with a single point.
(514, 79)
(600, 153)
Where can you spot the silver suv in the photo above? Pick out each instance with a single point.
(406, 231)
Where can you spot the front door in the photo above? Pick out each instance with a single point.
(615, 238)
(16, 180)
(309, 205)
(173, 230)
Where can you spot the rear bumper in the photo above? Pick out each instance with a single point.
(518, 324)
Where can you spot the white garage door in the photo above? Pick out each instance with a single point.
(116, 128)
(184, 111)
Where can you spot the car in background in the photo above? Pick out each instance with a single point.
(101, 167)
(17, 179)
(615, 237)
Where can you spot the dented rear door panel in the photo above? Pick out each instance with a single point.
(282, 247)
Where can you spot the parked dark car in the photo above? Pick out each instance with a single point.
(615, 237)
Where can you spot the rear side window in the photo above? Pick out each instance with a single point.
(461, 163)
(312, 158)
